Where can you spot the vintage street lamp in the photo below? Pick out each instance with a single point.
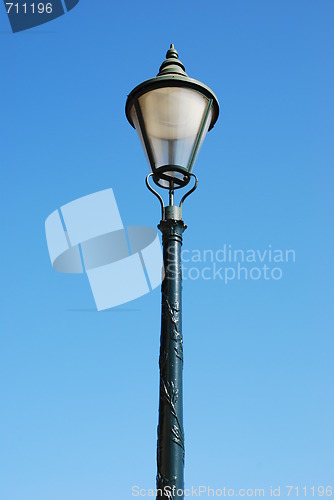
(171, 114)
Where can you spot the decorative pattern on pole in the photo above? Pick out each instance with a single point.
(171, 449)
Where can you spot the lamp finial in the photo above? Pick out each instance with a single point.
(172, 64)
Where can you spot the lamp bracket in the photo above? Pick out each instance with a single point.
(171, 211)
(150, 188)
(190, 191)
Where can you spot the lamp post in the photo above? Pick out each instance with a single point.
(172, 114)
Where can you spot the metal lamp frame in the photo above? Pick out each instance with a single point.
(174, 78)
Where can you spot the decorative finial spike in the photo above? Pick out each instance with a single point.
(172, 64)
(172, 52)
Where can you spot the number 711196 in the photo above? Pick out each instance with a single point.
(320, 491)
(29, 8)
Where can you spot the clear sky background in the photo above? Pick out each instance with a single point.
(79, 389)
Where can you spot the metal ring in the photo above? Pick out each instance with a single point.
(159, 174)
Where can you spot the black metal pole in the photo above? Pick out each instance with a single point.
(170, 449)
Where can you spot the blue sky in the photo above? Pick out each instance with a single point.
(79, 389)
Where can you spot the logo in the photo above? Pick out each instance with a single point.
(24, 15)
(88, 236)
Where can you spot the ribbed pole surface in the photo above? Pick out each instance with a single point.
(170, 450)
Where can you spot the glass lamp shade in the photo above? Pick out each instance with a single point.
(171, 123)
(172, 114)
